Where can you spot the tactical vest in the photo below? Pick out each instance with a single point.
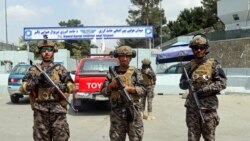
(126, 79)
(45, 91)
(202, 76)
(148, 81)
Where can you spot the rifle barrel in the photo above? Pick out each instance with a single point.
(191, 88)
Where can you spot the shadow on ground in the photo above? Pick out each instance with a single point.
(89, 108)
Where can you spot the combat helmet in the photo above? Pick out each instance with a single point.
(146, 61)
(199, 39)
(45, 43)
(124, 50)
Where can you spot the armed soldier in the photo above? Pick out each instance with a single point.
(124, 119)
(50, 122)
(149, 78)
(207, 79)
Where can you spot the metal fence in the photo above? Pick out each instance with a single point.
(4, 46)
(225, 35)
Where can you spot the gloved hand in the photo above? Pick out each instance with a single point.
(42, 79)
(199, 91)
(113, 85)
(202, 92)
(185, 83)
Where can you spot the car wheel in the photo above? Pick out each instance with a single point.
(14, 99)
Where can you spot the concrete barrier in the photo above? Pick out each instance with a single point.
(4, 83)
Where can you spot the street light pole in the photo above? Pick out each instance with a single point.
(161, 23)
(6, 27)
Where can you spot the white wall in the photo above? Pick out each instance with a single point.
(16, 57)
(227, 8)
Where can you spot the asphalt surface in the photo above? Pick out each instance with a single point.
(16, 120)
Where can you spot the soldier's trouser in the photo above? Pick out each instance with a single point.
(149, 98)
(50, 126)
(196, 128)
(119, 127)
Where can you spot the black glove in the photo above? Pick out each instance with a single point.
(185, 83)
(202, 92)
(199, 91)
(42, 79)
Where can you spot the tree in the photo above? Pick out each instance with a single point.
(210, 7)
(146, 12)
(189, 20)
(196, 19)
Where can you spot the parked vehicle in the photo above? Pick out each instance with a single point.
(174, 69)
(15, 80)
(89, 77)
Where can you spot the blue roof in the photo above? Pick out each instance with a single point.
(179, 44)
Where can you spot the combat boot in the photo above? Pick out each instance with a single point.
(144, 115)
(150, 116)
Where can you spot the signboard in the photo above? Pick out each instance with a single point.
(88, 32)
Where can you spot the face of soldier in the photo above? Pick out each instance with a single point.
(124, 60)
(47, 53)
(199, 51)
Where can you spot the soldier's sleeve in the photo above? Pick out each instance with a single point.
(154, 77)
(67, 82)
(219, 80)
(104, 89)
(29, 81)
(139, 86)
(183, 85)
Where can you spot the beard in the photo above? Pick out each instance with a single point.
(46, 59)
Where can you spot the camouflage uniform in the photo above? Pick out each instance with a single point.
(209, 77)
(118, 116)
(149, 78)
(50, 122)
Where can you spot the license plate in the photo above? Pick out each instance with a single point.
(84, 95)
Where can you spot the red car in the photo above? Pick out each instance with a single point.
(89, 77)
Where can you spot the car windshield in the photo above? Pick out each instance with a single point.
(20, 69)
(97, 65)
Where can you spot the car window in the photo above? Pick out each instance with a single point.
(97, 65)
(20, 69)
(171, 69)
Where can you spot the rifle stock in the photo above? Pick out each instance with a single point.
(191, 88)
(61, 94)
(129, 104)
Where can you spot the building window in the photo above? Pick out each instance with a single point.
(236, 17)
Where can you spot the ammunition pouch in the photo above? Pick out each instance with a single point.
(63, 102)
(32, 98)
(47, 94)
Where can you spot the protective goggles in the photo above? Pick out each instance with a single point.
(201, 47)
(44, 49)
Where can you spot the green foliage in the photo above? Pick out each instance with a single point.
(196, 19)
(146, 12)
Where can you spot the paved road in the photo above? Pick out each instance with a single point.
(92, 125)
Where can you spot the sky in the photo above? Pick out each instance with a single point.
(48, 13)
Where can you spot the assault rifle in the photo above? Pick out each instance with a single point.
(128, 101)
(191, 88)
(51, 82)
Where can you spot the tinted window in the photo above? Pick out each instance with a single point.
(20, 69)
(97, 65)
(171, 69)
